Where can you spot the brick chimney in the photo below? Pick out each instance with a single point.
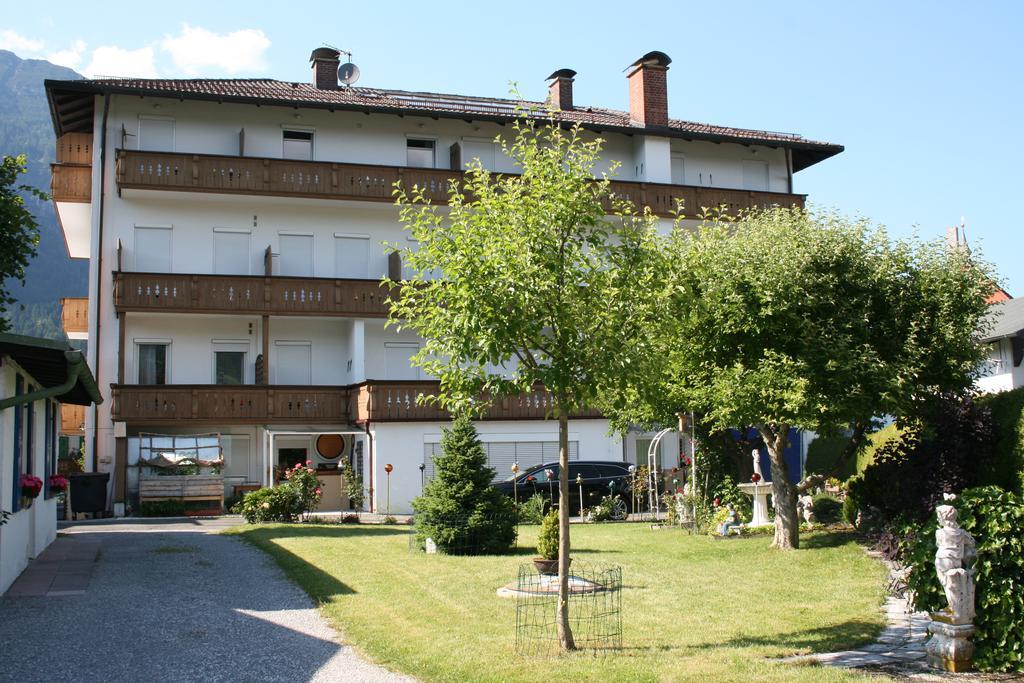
(648, 89)
(560, 89)
(325, 62)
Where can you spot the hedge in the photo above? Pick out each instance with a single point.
(1006, 469)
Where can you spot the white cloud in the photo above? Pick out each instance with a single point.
(9, 40)
(196, 50)
(71, 57)
(110, 60)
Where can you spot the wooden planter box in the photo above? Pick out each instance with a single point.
(190, 487)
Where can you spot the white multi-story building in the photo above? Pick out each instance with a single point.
(236, 229)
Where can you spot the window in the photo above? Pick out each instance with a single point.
(229, 367)
(237, 460)
(397, 357)
(153, 249)
(755, 175)
(419, 153)
(297, 144)
(642, 447)
(352, 256)
(152, 362)
(678, 169)
(296, 255)
(294, 362)
(231, 253)
(156, 134)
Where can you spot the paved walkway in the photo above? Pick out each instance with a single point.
(171, 601)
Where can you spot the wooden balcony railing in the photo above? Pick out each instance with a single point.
(75, 315)
(72, 419)
(374, 401)
(364, 182)
(249, 294)
(74, 148)
(397, 401)
(229, 404)
(71, 183)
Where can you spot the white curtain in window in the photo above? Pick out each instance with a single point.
(156, 135)
(351, 256)
(231, 252)
(296, 255)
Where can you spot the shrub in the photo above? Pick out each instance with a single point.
(943, 452)
(1006, 469)
(308, 488)
(605, 510)
(350, 519)
(531, 511)
(850, 510)
(279, 503)
(547, 540)
(995, 518)
(352, 486)
(459, 509)
(866, 455)
(162, 508)
(827, 510)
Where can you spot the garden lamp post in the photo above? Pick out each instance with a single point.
(423, 476)
(550, 474)
(579, 482)
(632, 487)
(387, 470)
(515, 496)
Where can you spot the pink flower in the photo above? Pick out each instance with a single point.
(308, 462)
(316, 491)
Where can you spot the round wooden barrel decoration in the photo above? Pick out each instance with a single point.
(330, 446)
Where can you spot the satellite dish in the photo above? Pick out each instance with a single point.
(348, 73)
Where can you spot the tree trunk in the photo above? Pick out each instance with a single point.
(565, 639)
(787, 523)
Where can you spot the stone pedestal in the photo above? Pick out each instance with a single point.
(950, 647)
(760, 493)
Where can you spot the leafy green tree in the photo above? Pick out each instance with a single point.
(19, 233)
(536, 289)
(785, 318)
(459, 509)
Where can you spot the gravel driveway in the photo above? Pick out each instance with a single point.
(174, 602)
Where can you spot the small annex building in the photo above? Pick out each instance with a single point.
(36, 377)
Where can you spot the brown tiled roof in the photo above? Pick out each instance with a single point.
(269, 91)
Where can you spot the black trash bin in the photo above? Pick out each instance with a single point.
(88, 491)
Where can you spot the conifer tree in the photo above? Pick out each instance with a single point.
(459, 509)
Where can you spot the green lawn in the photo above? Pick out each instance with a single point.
(694, 608)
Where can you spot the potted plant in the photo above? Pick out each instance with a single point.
(547, 545)
(30, 488)
(58, 484)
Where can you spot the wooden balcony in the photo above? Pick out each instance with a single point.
(373, 401)
(229, 404)
(74, 148)
(249, 294)
(397, 401)
(364, 182)
(71, 179)
(72, 419)
(75, 315)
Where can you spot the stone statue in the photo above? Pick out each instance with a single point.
(953, 559)
(806, 505)
(756, 455)
(950, 647)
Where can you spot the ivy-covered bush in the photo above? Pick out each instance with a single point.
(995, 518)
(279, 503)
(459, 509)
(308, 487)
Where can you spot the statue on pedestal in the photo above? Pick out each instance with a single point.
(756, 455)
(950, 647)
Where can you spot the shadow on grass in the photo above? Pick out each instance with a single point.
(827, 539)
(825, 639)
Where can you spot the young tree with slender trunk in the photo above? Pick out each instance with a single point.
(785, 318)
(526, 282)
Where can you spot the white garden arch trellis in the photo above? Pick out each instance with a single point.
(653, 451)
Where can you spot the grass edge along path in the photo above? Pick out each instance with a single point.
(694, 608)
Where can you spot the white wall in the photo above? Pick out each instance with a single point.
(29, 531)
(999, 373)
(401, 444)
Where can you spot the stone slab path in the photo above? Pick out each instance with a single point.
(127, 601)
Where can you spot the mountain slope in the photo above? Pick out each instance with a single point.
(25, 128)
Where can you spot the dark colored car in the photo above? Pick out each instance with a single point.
(599, 478)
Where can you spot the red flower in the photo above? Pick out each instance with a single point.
(717, 501)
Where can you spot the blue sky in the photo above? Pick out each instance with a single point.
(927, 97)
